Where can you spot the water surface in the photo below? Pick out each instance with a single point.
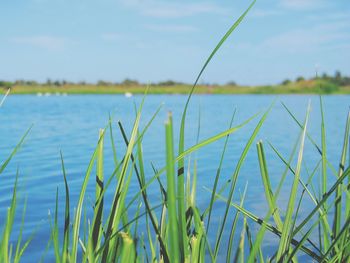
(71, 124)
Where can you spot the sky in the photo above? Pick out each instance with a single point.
(157, 40)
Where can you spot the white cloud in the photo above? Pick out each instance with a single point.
(304, 40)
(171, 28)
(46, 42)
(303, 4)
(308, 39)
(162, 9)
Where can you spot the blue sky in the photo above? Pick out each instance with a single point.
(154, 40)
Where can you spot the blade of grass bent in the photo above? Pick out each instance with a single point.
(182, 132)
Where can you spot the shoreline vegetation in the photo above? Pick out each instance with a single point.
(325, 84)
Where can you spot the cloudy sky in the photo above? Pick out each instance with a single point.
(154, 40)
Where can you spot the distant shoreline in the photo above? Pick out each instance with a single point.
(305, 87)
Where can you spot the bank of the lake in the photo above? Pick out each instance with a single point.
(301, 87)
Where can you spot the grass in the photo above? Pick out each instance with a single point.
(176, 228)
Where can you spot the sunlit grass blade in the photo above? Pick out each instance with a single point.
(78, 211)
(4, 97)
(128, 252)
(239, 255)
(286, 230)
(180, 173)
(174, 249)
(5, 248)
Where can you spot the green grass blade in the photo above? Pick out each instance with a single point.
(78, 212)
(322, 201)
(97, 220)
(174, 251)
(268, 226)
(65, 247)
(236, 173)
(141, 180)
(302, 127)
(338, 206)
(5, 251)
(233, 228)
(218, 172)
(14, 151)
(286, 230)
(267, 185)
(180, 193)
(117, 205)
(240, 249)
(112, 141)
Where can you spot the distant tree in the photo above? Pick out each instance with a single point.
(19, 82)
(130, 82)
(57, 83)
(286, 82)
(325, 76)
(48, 82)
(30, 83)
(345, 81)
(168, 83)
(231, 83)
(337, 75)
(103, 83)
(6, 84)
(82, 83)
(299, 79)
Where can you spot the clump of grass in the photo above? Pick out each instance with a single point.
(176, 229)
(113, 234)
(10, 252)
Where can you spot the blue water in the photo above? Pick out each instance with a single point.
(71, 123)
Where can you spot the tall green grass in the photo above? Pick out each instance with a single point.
(175, 228)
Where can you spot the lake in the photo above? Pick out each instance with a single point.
(71, 124)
